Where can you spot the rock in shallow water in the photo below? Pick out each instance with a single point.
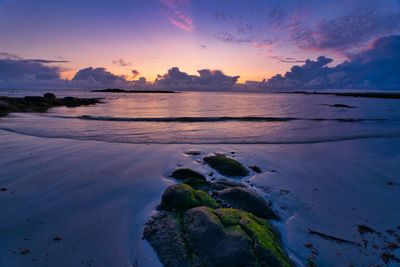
(223, 237)
(215, 245)
(183, 197)
(182, 174)
(226, 166)
(244, 199)
(165, 235)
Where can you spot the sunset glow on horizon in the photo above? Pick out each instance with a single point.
(254, 40)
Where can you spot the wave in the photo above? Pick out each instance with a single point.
(220, 119)
(215, 141)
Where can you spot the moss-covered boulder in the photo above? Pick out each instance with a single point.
(244, 199)
(184, 173)
(203, 236)
(215, 244)
(182, 197)
(226, 166)
(198, 184)
(222, 184)
(164, 232)
(266, 242)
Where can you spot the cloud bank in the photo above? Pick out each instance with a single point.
(377, 67)
(16, 72)
(206, 80)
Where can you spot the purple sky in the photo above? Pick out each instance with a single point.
(128, 39)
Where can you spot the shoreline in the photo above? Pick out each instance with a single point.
(117, 90)
(382, 95)
(41, 104)
(59, 170)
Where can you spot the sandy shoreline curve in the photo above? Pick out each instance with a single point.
(84, 203)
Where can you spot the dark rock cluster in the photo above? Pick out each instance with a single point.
(214, 223)
(41, 104)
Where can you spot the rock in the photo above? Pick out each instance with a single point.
(256, 169)
(224, 184)
(266, 242)
(40, 104)
(229, 237)
(184, 173)
(182, 197)
(193, 152)
(197, 184)
(244, 199)
(339, 106)
(191, 232)
(24, 251)
(49, 96)
(215, 245)
(57, 238)
(3, 104)
(226, 166)
(164, 233)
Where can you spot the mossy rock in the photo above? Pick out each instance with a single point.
(226, 166)
(163, 231)
(184, 173)
(222, 184)
(182, 197)
(267, 244)
(244, 199)
(197, 184)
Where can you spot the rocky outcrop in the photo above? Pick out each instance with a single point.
(192, 229)
(244, 199)
(226, 166)
(41, 104)
(202, 236)
(184, 173)
(182, 197)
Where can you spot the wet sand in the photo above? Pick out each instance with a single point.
(84, 203)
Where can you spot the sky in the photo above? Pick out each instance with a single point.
(232, 41)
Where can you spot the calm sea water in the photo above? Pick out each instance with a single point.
(192, 117)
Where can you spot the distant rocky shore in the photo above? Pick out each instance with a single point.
(215, 223)
(116, 90)
(359, 94)
(41, 103)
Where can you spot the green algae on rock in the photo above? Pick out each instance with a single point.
(185, 173)
(267, 245)
(203, 236)
(226, 166)
(182, 197)
(197, 184)
(244, 199)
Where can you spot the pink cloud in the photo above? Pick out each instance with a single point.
(178, 15)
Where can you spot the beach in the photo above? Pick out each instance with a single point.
(84, 203)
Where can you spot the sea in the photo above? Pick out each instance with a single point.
(210, 118)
